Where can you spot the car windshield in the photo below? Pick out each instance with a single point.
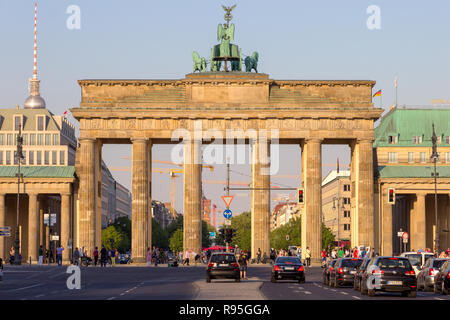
(288, 260)
(415, 258)
(428, 256)
(351, 263)
(438, 263)
(223, 258)
(393, 263)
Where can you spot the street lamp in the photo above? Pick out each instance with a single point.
(434, 157)
(19, 175)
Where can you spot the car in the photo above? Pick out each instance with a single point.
(425, 278)
(389, 274)
(343, 272)
(442, 279)
(417, 259)
(326, 271)
(288, 268)
(223, 265)
(358, 274)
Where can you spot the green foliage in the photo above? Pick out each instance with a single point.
(177, 225)
(206, 229)
(174, 226)
(121, 240)
(176, 241)
(123, 224)
(243, 234)
(327, 237)
(160, 237)
(278, 236)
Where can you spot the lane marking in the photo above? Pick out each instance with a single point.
(436, 298)
(356, 297)
(39, 295)
(112, 298)
(344, 292)
(24, 288)
(307, 292)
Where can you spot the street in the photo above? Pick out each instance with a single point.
(162, 283)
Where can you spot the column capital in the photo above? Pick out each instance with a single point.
(65, 194)
(143, 140)
(86, 139)
(365, 140)
(313, 140)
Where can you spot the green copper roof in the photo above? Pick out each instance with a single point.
(7, 119)
(38, 171)
(412, 171)
(407, 123)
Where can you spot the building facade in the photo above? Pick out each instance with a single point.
(283, 213)
(123, 201)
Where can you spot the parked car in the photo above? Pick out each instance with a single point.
(358, 274)
(389, 274)
(417, 259)
(223, 265)
(343, 272)
(326, 271)
(425, 278)
(442, 279)
(288, 268)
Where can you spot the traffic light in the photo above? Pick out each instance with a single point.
(300, 198)
(391, 195)
(228, 235)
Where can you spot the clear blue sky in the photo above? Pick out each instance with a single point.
(324, 39)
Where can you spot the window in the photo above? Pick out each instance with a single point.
(2, 139)
(417, 139)
(8, 157)
(40, 140)
(423, 156)
(48, 141)
(62, 158)
(439, 157)
(17, 123)
(54, 157)
(39, 158)
(1, 157)
(24, 160)
(393, 139)
(346, 200)
(410, 157)
(25, 139)
(32, 139)
(346, 227)
(346, 214)
(31, 157)
(40, 123)
(56, 139)
(16, 136)
(346, 187)
(46, 157)
(392, 157)
(447, 139)
(439, 139)
(447, 157)
(9, 139)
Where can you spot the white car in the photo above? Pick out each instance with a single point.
(417, 259)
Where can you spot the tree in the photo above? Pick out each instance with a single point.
(160, 237)
(177, 224)
(292, 229)
(206, 229)
(120, 238)
(176, 241)
(243, 226)
(327, 237)
(174, 226)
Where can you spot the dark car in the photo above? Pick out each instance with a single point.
(425, 278)
(442, 279)
(223, 265)
(343, 272)
(326, 271)
(358, 274)
(288, 268)
(389, 274)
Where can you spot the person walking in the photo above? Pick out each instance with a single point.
(95, 256)
(186, 258)
(103, 256)
(258, 255)
(308, 257)
(41, 256)
(149, 257)
(242, 260)
(113, 257)
(59, 252)
(76, 257)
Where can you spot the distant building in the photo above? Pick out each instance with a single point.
(123, 201)
(162, 213)
(336, 195)
(206, 210)
(283, 213)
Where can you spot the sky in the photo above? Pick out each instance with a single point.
(322, 39)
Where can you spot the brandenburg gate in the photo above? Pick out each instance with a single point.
(147, 112)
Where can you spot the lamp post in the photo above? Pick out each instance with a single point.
(434, 157)
(19, 175)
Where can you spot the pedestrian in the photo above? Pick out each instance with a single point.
(103, 256)
(113, 257)
(41, 255)
(95, 253)
(258, 254)
(12, 255)
(149, 257)
(186, 258)
(308, 256)
(76, 257)
(1, 269)
(242, 260)
(340, 253)
(59, 252)
(324, 256)
(355, 253)
(156, 257)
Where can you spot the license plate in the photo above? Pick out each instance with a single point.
(223, 265)
(395, 283)
(288, 268)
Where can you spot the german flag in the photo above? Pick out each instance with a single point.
(377, 94)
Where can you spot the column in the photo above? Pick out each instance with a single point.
(65, 225)
(2, 224)
(98, 219)
(353, 202)
(140, 198)
(87, 194)
(312, 184)
(150, 206)
(41, 222)
(33, 228)
(386, 224)
(192, 183)
(417, 232)
(364, 193)
(260, 199)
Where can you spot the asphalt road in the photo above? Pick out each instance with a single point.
(162, 283)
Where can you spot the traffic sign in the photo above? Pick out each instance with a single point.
(227, 213)
(400, 234)
(5, 231)
(228, 222)
(55, 238)
(405, 237)
(287, 237)
(227, 200)
(212, 234)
